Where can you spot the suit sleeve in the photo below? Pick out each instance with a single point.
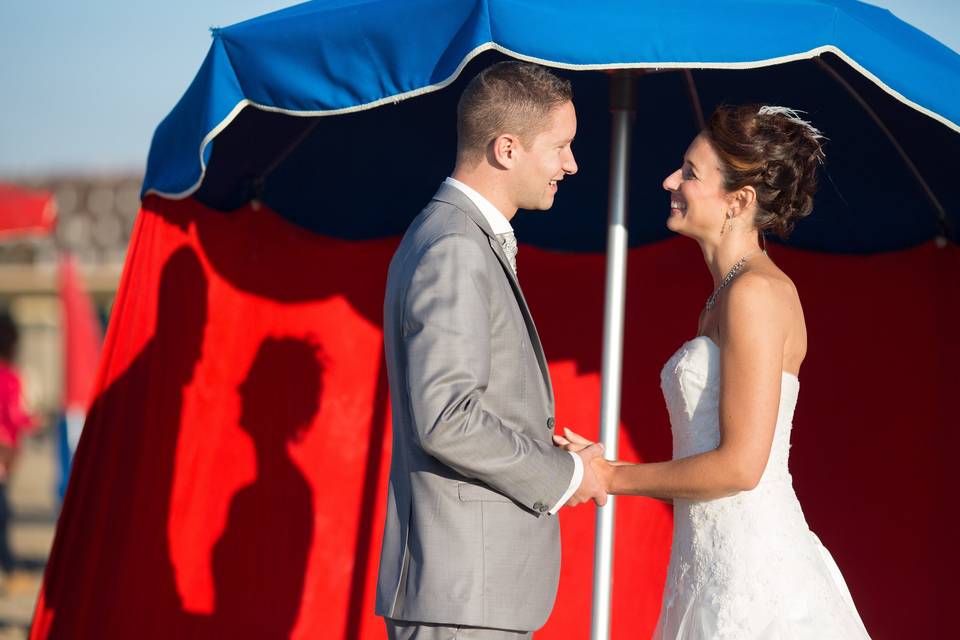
(446, 333)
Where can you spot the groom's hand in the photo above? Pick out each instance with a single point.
(590, 487)
(573, 441)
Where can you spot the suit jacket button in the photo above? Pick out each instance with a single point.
(550, 423)
(539, 506)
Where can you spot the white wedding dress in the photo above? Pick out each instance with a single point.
(745, 567)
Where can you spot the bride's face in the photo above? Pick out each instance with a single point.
(698, 201)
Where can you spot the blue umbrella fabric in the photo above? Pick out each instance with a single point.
(261, 102)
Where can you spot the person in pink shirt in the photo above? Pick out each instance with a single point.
(14, 420)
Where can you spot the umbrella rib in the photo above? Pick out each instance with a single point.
(260, 181)
(695, 99)
(931, 196)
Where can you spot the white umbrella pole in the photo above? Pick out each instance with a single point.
(622, 108)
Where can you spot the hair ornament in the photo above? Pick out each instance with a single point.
(794, 116)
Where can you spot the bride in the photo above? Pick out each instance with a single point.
(743, 564)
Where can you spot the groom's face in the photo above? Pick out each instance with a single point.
(546, 161)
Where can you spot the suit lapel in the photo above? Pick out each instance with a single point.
(525, 310)
(452, 195)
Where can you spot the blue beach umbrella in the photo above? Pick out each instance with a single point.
(339, 116)
(309, 107)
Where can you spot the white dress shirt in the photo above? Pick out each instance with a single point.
(499, 224)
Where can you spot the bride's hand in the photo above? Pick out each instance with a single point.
(573, 441)
(602, 467)
(604, 471)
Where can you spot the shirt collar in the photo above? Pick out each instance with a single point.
(497, 221)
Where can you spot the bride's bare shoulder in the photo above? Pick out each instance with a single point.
(762, 293)
(764, 302)
(765, 283)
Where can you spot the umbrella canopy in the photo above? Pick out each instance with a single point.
(254, 121)
(25, 211)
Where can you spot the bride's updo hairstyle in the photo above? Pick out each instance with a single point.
(774, 151)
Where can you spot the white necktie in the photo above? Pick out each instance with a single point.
(509, 243)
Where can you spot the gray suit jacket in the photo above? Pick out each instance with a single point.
(467, 540)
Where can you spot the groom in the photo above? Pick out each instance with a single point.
(470, 547)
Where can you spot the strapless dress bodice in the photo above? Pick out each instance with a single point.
(691, 387)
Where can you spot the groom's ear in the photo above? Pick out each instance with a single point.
(503, 150)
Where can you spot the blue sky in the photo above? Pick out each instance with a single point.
(85, 83)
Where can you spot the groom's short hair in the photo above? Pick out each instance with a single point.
(507, 97)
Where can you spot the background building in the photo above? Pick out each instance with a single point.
(95, 219)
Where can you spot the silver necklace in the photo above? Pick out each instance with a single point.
(734, 270)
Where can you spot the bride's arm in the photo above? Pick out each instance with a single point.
(753, 321)
(602, 467)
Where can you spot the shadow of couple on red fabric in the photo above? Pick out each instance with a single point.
(128, 453)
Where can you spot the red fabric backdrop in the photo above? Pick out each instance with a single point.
(200, 506)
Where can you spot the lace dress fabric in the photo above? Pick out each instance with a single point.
(746, 566)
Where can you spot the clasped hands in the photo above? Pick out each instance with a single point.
(596, 470)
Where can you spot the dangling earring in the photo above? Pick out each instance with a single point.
(729, 219)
